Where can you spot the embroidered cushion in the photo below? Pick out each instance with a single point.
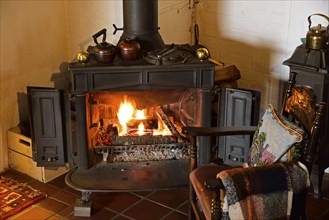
(273, 138)
(295, 151)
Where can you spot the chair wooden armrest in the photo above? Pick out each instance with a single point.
(219, 131)
(213, 184)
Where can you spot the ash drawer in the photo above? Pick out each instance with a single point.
(19, 142)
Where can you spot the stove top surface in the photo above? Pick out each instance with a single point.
(170, 55)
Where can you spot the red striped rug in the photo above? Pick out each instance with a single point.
(16, 196)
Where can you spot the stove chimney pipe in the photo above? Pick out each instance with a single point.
(140, 21)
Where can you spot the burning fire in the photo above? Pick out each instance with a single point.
(127, 112)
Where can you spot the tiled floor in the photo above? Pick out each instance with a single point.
(164, 205)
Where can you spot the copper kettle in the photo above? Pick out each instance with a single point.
(129, 49)
(104, 52)
(317, 37)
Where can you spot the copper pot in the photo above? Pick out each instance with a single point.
(129, 49)
(104, 52)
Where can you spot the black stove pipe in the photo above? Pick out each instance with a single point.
(140, 21)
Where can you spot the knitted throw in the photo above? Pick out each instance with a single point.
(265, 192)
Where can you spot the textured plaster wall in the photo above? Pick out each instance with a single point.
(257, 36)
(33, 44)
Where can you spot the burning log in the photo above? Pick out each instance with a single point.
(142, 140)
(137, 132)
(151, 123)
(167, 122)
(148, 126)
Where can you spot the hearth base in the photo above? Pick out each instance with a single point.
(135, 176)
(126, 177)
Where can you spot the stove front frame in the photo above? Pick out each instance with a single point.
(198, 75)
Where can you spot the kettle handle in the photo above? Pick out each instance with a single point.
(310, 22)
(99, 33)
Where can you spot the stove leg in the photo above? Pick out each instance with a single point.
(83, 205)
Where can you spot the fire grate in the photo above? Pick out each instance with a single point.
(138, 153)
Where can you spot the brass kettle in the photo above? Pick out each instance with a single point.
(317, 37)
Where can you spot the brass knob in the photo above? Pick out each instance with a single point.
(202, 53)
(83, 57)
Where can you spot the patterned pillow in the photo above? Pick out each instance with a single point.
(295, 151)
(272, 139)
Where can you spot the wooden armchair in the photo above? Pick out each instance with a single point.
(211, 185)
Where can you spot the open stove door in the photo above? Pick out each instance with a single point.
(50, 139)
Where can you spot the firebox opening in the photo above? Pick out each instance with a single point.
(129, 126)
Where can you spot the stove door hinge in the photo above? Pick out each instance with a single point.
(92, 102)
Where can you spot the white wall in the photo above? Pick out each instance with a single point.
(257, 36)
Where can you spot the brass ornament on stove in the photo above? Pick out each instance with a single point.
(83, 57)
(202, 53)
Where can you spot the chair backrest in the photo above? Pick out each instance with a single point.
(300, 106)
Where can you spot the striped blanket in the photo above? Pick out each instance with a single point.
(266, 192)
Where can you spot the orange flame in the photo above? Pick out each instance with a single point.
(140, 114)
(127, 111)
(141, 129)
